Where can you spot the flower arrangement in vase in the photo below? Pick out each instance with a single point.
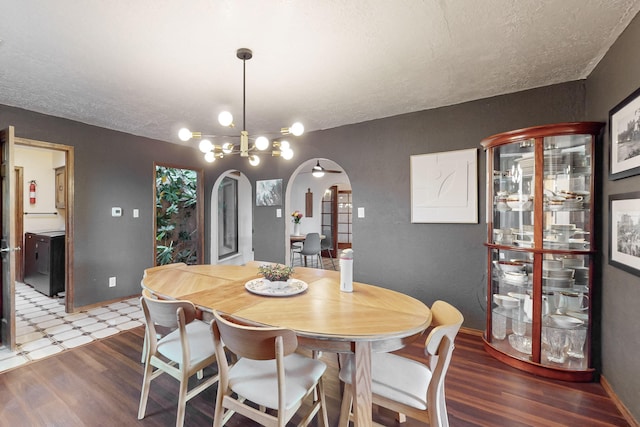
(297, 217)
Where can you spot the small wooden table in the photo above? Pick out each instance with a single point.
(368, 319)
(297, 238)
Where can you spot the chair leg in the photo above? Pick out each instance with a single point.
(144, 394)
(345, 408)
(323, 402)
(182, 401)
(144, 348)
(219, 413)
(331, 258)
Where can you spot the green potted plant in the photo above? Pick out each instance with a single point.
(276, 273)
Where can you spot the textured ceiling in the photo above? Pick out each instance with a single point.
(149, 67)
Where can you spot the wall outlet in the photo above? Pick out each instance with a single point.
(112, 282)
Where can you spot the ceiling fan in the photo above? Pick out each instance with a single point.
(319, 171)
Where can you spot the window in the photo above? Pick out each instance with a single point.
(178, 233)
(227, 218)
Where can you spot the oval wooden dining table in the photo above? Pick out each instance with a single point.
(368, 319)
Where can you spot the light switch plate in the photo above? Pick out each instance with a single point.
(116, 211)
(136, 213)
(278, 213)
(360, 212)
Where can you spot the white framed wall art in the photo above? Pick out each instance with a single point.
(444, 187)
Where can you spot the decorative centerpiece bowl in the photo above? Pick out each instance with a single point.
(277, 274)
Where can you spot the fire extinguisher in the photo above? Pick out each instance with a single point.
(32, 192)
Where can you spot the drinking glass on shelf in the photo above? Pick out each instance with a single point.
(499, 324)
(557, 343)
(518, 324)
(518, 339)
(576, 338)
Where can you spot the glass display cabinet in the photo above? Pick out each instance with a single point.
(540, 245)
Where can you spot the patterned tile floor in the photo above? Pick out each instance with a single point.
(326, 262)
(43, 328)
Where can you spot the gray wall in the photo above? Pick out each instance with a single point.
(615, 78)
(427, 261)
(111, 169)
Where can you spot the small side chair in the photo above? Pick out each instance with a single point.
(268, 373)
(406, 386)
(181, 353)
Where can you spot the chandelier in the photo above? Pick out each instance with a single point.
(248, 146)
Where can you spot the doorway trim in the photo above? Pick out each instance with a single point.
(200, 202)
(19, 184)
(245, 220)
(69, 211)
(323, 183)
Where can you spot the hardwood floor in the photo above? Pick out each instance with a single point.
(99, 384)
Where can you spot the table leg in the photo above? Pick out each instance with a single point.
(361, 380)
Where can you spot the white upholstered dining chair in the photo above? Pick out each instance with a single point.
(268, 372)
(181, 353)
(406, 386)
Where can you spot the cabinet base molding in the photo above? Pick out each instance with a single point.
(621, 406)
(584, 376)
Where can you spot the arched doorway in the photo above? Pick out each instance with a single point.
(231, 219)
(303, 187)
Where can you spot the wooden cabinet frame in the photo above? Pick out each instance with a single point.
(540, 249)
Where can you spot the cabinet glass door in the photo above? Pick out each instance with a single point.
(565, 310)
(567, 197)
(512, 304)
(513, 189)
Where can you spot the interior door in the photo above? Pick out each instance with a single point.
(8, 244)
(18, 182)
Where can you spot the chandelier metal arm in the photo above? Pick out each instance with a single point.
(244, 94)
(248, 147)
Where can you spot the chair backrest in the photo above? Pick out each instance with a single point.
(446, 322)
(163, 312)
(253, 342)
(327, 242)
(162, 316)
(311, 245)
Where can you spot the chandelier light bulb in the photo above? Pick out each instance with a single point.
(184, 134)
(248, 145)
(262, 143)
(225, 118)
(210, 157)
(205, 146)
(297, 129)
(254, 160)
(227, 148)
(287, 154)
